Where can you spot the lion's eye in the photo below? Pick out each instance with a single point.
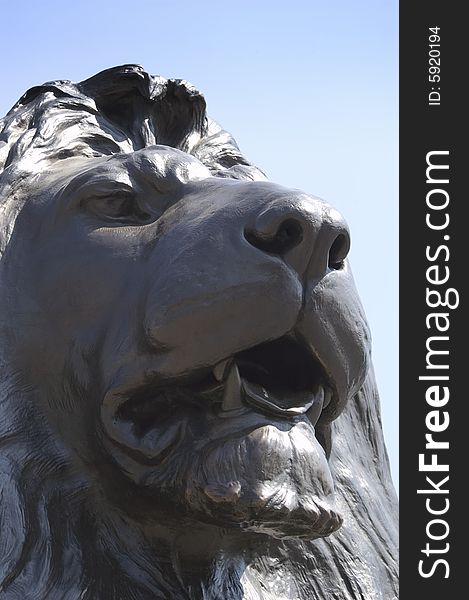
(120, 207)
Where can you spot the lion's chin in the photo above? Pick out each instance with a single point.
(272, 480)
(309, 520)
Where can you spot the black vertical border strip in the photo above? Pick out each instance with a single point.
(423, 129)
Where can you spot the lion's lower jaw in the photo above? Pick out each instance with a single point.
(274, 482)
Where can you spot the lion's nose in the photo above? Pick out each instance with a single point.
(305, 232)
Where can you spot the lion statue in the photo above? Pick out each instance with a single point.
(187, 408)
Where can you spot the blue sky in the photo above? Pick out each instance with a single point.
(308, 88)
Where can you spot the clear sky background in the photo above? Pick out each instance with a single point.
(307, 87)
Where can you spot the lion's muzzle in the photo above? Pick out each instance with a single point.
(237, 257)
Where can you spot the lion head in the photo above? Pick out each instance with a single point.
(188, 408)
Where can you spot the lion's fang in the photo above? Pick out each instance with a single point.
(221, 369)
(232, 394)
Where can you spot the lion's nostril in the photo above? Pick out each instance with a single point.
(310, 236)
(338, 251)
(287, 236)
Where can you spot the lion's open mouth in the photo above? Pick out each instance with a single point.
(237, 438)
(280, 379)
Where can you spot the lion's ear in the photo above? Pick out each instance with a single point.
(151, 109)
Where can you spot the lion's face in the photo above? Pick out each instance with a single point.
(204, 328)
